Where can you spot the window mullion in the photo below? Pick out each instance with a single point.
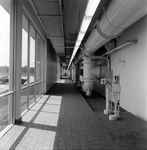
(28, 66)
(35, 87)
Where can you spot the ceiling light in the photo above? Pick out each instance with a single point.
(78, 43)
(90, 10)
(91, 7)
(85, 23)
(80, 36)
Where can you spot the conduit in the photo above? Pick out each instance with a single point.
(90, 71)
(127, 43)
(87, 86)
(119, 15)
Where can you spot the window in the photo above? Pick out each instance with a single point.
(42, 58)
(4, 47)
(24, 62)
(31, 64)
(38, 59)
(5, 74)
(32, 54)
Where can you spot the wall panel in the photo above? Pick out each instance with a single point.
(131, 64)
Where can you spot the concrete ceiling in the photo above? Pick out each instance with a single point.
(61, 20)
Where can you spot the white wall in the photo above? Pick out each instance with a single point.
(58, 69)
(98, 87)
(131, 64)
(51, 67)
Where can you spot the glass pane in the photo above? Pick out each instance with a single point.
(31, 95)
(42, 58)
(38, 59)
(42, 91)
(24, 63)
(4, 45)
(38, 91)
(32, 54)
(23, 100)
(4, 113)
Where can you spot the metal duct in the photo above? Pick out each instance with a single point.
(119, 15)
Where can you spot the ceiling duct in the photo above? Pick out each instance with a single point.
(118, 16)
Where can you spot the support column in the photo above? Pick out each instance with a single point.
(58, 69)
(18, 53)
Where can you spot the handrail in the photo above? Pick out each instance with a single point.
(6, 94)
(27, 86)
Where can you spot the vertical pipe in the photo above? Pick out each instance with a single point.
(88, 77)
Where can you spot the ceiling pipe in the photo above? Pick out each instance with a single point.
(118, 16)
(127, 43)
(113, 22)
(100, 58)
(60, 7)
(78, 58)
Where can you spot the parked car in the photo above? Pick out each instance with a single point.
(23, 81)
(5, 80)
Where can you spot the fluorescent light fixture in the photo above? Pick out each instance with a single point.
(91, 7)
(78, 43)
(90, 10)
(85, 23)
(80, 36)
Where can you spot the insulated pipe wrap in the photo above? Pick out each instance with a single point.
(88, 65)
(96, 71)
(119, 15)
(88, 77)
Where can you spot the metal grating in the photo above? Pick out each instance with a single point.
(53, 26)
(60, 50)
(49, 13)
(44, 0)
(57, 42)
(47, 8)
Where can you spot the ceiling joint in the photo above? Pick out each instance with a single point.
(49, 16)
(52, 37)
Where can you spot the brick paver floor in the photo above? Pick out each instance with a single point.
(62, 120)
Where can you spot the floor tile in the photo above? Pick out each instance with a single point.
(63, 120)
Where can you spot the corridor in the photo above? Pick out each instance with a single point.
(62, 120)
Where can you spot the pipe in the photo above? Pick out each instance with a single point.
(100, 57)
(127, 43)
(89, 72)
(119, 15)
(87, 86)
(96, 71)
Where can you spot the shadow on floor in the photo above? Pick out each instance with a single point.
(96, 101)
